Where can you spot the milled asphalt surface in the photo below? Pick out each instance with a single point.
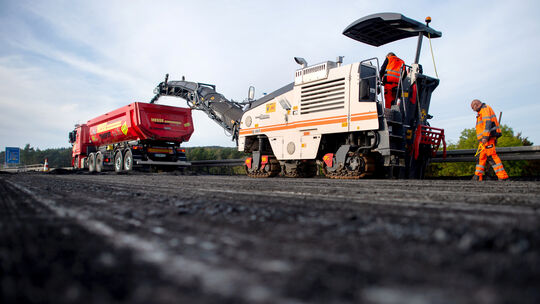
(166, 238)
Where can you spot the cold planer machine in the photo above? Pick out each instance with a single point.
(333, 114)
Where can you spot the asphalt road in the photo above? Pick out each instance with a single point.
(165, 238)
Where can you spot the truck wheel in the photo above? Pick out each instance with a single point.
(128, 161)
(92, 162)
(76, 163)
(99, 162)
(118, 162)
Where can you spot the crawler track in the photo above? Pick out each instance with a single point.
(219, 238)
(273, 170)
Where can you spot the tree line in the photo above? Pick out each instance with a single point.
(213, 152)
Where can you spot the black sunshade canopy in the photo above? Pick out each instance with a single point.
(383, 28)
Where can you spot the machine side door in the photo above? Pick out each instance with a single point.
(276, 143)
(363, 99)
(309, 145)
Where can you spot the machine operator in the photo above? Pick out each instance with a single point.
(390, 74)
(487, 132)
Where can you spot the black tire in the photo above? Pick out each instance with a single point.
(118, 162)
(92, 162)
(99, 162)
(128, 161)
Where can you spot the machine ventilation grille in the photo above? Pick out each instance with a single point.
(323, 96)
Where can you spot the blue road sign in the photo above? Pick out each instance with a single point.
(13, 155)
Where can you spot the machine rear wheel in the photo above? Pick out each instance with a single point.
(92, 162)
(118, 162)
(356, 166)
(271, 169)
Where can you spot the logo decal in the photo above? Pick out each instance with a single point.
(271, 107)
(106, 126)
(423, 114)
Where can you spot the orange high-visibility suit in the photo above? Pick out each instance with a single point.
(487, 127)
(392, 72)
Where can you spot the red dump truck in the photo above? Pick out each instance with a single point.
(139, 134)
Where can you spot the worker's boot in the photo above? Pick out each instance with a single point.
(477, 178)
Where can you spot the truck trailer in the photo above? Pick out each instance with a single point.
(136, 135)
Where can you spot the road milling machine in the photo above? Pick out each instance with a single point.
(333, 114)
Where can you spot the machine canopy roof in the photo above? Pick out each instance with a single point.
(383, 28)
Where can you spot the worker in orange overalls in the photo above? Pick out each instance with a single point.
(390, 74)
(487, 132)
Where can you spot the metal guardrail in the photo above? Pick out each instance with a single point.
(505, 153)
(466, 155)
(217, 163)
(36, 167)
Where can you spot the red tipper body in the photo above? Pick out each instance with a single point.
(140, 121)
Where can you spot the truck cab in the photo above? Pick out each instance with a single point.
(78, 138)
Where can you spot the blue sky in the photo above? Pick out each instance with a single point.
(64, 62)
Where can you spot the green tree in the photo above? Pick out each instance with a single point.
(468, 140)
(213, 152)
(207, 153)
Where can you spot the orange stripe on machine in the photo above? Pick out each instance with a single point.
(365, 117)
(294, 123)
(311, 122)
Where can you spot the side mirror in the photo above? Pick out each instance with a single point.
(251, 93)
(71, 137)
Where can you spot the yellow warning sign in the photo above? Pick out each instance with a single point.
(124, 128)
